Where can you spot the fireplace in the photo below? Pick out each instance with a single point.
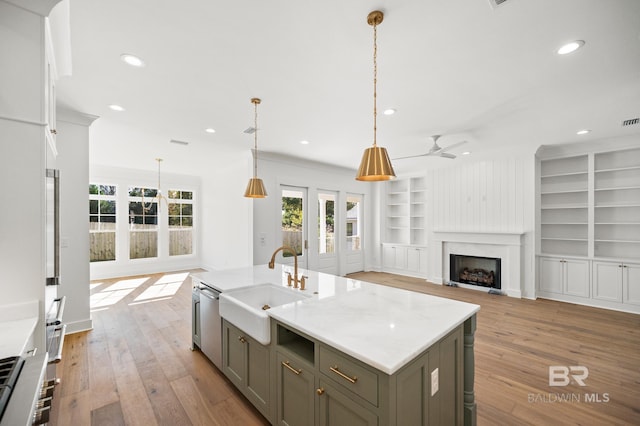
(475, 270)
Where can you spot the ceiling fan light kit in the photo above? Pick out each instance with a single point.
(375, 164)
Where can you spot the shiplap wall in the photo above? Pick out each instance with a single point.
(496, 195)
(487, 196)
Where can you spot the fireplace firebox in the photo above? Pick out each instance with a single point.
(475, 270)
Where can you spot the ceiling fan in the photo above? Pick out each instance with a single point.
(436, 150)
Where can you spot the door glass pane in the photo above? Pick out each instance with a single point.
(326, 223)
(354, 222)
(292, 221)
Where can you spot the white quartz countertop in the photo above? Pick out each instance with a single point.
(382, 326)
(15, 333)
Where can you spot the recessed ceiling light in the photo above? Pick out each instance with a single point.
(304, 142)
(210, 130)
(116, 108)
(132, 60)
(583, 132)
(389, 111)
(570, 47)
(466, 153)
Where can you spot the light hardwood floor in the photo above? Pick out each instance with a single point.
(136, 367)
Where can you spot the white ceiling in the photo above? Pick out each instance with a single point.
(455, 67)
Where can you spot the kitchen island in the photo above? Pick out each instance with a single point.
(353, 352)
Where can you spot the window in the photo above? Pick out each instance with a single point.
(180, 222)
(102, 222)
(143, 223)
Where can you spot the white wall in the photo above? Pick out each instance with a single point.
(73, 163)
(219, 171)
(277, 170)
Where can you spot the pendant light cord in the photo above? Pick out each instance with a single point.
(159, 160)
(255, 139)
(375, 82)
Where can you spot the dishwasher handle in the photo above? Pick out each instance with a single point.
(209, 293)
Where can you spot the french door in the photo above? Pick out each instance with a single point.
(328, 228)
(354, 231)
(293, 224)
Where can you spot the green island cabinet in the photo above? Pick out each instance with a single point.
(247, 364)
(299, 381)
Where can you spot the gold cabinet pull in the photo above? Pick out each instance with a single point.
(344, 376)
(242, 339)
(286, 364)
(320, 391)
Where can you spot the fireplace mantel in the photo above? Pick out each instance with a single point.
(503, 238)
(504, 245)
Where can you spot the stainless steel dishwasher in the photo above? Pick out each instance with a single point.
(210, 324)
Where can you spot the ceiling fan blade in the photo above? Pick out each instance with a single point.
(410, 156)
(447, 155)
(455, 145)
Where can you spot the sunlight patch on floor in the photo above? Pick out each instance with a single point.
(165, 287)
(115, 292)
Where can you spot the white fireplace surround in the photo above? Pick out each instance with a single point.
(505, 246)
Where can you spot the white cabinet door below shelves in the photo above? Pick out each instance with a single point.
(576, 277)
(631, 283)
(565, 276)
(607, 281)
(551, 275)
(417, 260)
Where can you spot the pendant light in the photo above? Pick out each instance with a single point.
(255, 188)
(159, 197)
(375, 164)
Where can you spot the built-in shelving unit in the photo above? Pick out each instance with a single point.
(617, 204)
(417, 210)
(589, 247)
(406, 211)
(564, 203)
(405, 236)
(397, 216)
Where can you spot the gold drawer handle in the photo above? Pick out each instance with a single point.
(344, 376)
(286, 364)
(320, 391)
(242, 339)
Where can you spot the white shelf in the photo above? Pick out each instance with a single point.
(620, 188)
(565, 206)
(564, 174)
(618, 169)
